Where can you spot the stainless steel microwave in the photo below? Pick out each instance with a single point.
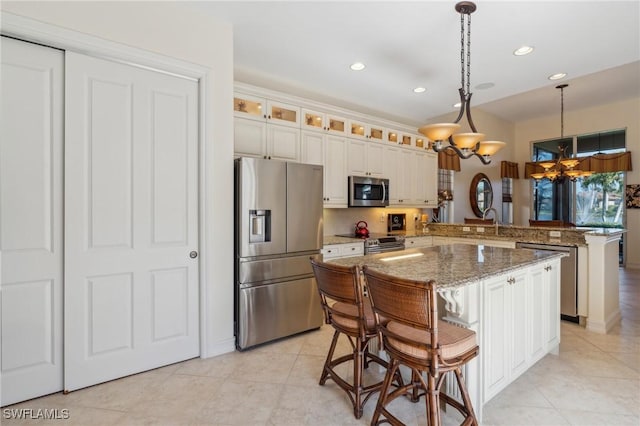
(368, 192)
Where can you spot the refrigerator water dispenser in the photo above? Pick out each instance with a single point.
(259, 226)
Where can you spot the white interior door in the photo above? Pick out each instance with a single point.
(131, 287)
(31, 137)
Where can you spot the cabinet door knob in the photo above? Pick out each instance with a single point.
(193, 254)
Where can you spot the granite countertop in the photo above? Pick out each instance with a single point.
(452, 265)
(525, 234)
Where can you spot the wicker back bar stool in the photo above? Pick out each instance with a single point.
(349, 312)
(412, 335)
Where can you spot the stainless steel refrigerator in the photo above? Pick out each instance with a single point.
(278, 226)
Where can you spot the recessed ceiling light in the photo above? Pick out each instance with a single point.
(357, 66)
(419, 90)
(558, 76)
(484, 86)
(524, 50)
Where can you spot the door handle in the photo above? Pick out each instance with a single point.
(193, 254)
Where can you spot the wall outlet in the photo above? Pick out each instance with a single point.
(466, 229)
(555, 234)
(479, 229)
(382, 218)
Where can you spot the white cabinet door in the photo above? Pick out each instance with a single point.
(496, 318)
(552, 294)
(250, 137)
(519, 323)
(365, 158)
(31, 218)
(426, 184)
(375, 160)
(283, 143)
(330, 152)
(312, 147)
(537, 341)
(335, 251)
(335, 172)
(407, 177)
(391, 163)
(357, 157)
(417, 242)
(131, 220)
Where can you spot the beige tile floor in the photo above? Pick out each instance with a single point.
(595, 380)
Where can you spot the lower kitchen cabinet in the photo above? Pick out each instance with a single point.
(334, 251)
(417, 242)
(522, 323)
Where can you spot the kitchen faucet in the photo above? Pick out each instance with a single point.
(495, 217)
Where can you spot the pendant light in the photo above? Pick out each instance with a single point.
(465, 145)
(563, 167)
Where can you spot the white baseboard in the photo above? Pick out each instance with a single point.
(603, 327)
(219, 348)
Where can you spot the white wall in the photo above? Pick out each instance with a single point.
(618, 115)
(170, 29)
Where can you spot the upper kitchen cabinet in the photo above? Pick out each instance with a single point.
(266, 129)
(412, 177)
(320, 121)
(361, 130)
(407, 139)
(377, 133)
(365, 158)
(421, 142)
(358, 129)
(393, 136)
(329, 151)
(260, 109)
(427, 179)
(392, 166)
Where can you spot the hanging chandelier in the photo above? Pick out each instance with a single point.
(563, 167)
(465, 145)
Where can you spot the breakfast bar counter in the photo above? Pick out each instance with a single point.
(509, 297)
(450, 266)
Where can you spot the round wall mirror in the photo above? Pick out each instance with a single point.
(480, 194)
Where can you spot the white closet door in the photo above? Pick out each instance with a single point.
(31, 135)
(131, 287)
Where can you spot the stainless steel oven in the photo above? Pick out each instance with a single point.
(368, 192)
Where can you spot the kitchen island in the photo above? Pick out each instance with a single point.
(509, 297)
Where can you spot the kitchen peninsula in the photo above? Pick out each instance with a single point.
(597, 258)
(509, 297)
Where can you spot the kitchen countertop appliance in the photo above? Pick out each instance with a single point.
(278, 226)
(380, 243)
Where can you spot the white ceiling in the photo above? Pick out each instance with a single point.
(305, 48)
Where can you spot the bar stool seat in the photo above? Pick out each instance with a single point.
(454, 341)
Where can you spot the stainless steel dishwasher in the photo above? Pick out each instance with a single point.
(568, 277)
